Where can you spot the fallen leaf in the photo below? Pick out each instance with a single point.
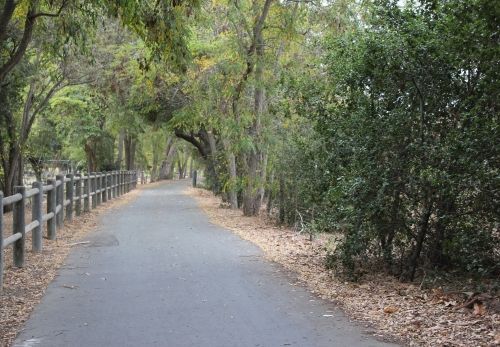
(497, 339)
(479, 309)
(390, 309)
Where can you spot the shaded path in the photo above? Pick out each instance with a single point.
(157, 273)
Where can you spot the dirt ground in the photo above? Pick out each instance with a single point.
(404, 312)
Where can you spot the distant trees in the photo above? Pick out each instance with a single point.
(40, 42)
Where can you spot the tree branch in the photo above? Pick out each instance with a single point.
(257, 32)
(46, 14)
(191, 139)
(21, 49)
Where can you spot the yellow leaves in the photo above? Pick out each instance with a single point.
(20, 12)
(221, 3)
(205, 63)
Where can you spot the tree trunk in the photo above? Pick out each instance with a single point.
(270, 194)
(166, 170)
(445, 208)
(252, 193)
(129, 144)
(121, 139)
(91, 156)
(233, 177)
(423, 227)
(20, 172)
(263, 177)
(184, 167)
(191, 160)
(282, 210)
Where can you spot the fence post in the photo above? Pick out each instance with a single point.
(69, 196)
(86, 191)
(19, 227)
(37, 214)
(93, 189)
(113, 184)
(119, 177)
(78, 194)
(104, 187)
(51, 207)
(60, 201)
(98, 188)
(195, 174)
(108, 185)
(1, 241)
(119, 184)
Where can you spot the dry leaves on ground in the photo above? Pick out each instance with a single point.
(396, 310)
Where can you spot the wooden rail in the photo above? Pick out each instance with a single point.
(64, 199)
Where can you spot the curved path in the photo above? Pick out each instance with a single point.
(158, 273)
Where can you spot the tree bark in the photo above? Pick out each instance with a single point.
(252, 193)
(166, 170)
(91, 155)
(129, 145)
(233, 176)
(121, 139)
(281, 195)
(423, 227)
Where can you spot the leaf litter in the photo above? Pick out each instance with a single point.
(403, 312)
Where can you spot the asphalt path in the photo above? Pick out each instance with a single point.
(158, 273)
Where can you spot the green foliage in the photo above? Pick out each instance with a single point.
(409, 125)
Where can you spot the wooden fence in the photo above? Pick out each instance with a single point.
(65, 195)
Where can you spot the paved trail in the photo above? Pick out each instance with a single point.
(157, 273)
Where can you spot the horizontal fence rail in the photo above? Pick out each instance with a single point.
(64, 197)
